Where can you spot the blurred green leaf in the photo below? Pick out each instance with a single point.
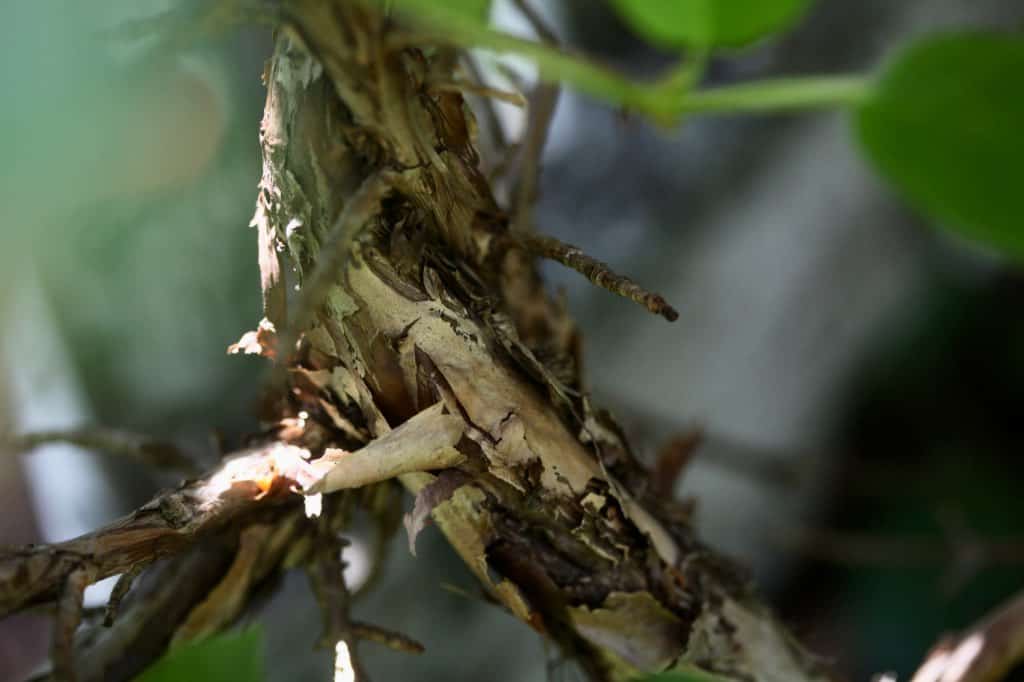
(480, 9)
(477, 10)
(946, 125)
(709, 23)
(234, 657)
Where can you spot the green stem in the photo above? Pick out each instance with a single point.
(666, 100)
(778, 94)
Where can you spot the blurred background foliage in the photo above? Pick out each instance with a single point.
(856, 372)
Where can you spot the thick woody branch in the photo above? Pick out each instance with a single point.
(424, 324)
(438, 302)
(243, 484)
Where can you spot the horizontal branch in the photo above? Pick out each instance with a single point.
(166, 525)
(142, 448)
(243, 483)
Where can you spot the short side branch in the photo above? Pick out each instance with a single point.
(596, 271)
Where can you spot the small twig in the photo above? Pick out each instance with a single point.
(984, 653)
(494, 126)
(672, 460)
(357, 213)
(513, 98)
(69, 616)
(117, 595)
(159, 601)
(596, 271)
(327, 577)
(543, 101)
(395, 641)
(386, 513)
(123, 443)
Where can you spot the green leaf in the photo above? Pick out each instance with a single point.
(481, 9)
(709, 23)
(945, 124)
(235, 657)
(477, 10)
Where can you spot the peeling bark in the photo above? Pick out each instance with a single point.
(433, 304)
(420, 339)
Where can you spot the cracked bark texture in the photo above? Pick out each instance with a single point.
(412, 294)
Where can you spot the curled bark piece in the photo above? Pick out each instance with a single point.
(439, 490)
(984, 653)
(634, 625)
(424, 443)
(261, 341)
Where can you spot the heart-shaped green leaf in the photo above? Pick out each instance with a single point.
(237, 657)
(945, 124)
(439, 10)
(709, 23)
